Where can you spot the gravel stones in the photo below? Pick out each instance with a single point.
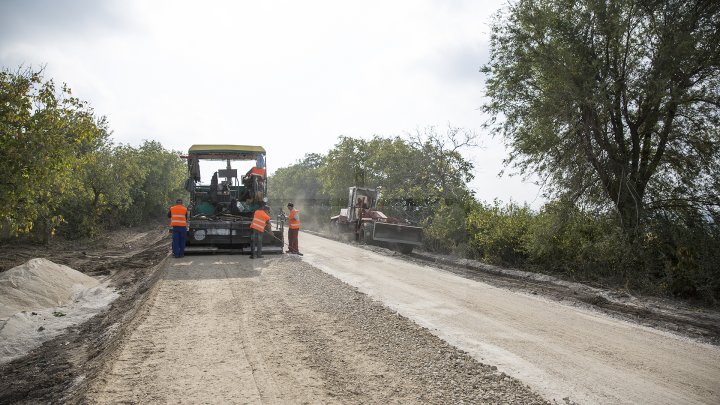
(418, 366)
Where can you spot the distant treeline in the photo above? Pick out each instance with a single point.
(62, 174)
(424, 179)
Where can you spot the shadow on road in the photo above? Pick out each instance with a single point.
(216, 267)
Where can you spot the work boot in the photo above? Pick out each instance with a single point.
(252, 257)
(299, 254)
(260, 257)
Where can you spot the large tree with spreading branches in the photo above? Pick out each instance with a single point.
(613, 103)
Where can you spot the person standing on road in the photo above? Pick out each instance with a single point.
(178, 221)
(293, 229)
(260, 222)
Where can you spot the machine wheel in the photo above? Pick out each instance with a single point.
(334, 229)
(360, 236)
(365, 234)
(405, 249)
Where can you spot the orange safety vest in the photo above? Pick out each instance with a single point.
(177, 215)
(259, 220)
(294, 219)
(258, 171)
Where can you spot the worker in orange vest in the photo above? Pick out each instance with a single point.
(293, 229)
(178, 221)
(260, 222)
(258, 169)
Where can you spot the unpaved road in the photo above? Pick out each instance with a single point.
(560, 351)
(227, 329)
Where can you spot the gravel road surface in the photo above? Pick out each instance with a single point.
(227, 329)
(563, 352)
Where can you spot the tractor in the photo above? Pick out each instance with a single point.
(362, 219)
(220, 212)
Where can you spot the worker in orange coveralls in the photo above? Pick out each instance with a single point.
(293, 230)
(260, 222)
(178, 221)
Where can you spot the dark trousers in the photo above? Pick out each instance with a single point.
(256, 239)
(293, 240)
(178, 244)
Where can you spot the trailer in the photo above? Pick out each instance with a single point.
(221, 211)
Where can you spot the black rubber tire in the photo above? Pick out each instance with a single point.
(404, 249)
(366, 232)
(360, 236)
(334, 229)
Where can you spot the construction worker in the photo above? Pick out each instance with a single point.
(260, 222)
(293, 229)
(258, 169)
(254, 180)
(178, 221)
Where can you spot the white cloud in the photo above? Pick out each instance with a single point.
(288, 75)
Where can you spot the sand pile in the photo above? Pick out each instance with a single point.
(39, 299)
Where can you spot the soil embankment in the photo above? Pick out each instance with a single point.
(58, 371)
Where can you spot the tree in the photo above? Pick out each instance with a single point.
(43, 131)
(447, 171)
(299, 182)
(615, 103)
(346, 164)
(121, 185)
(159, 177)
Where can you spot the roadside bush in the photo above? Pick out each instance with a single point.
(119, 185)
(446, 232)
(497, 233)
(681, 257)
(673, 257)
(78, 219)
(564, 239)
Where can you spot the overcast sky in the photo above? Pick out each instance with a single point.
(291, 76)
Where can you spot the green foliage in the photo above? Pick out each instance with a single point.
(417, 176)
(615, 103)
(682, 257)
(676, 256)
(122, 185)
(43, 132)
(446, 231)
(300, 184)
(564, 239)
(61, 171)
(345, 165)
(158, 179)
(497, 233)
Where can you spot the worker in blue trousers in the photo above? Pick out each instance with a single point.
(178, 221)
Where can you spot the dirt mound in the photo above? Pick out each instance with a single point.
(41, 299)
(37, 284)
(58, 370)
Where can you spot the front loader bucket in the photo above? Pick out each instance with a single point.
(396, 233)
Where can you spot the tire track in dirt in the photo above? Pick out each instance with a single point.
(264, 382)
(225, 329)
(186, 348)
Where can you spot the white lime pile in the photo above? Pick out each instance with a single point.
(40, 299)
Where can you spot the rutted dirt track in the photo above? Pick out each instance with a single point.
(225, 329)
